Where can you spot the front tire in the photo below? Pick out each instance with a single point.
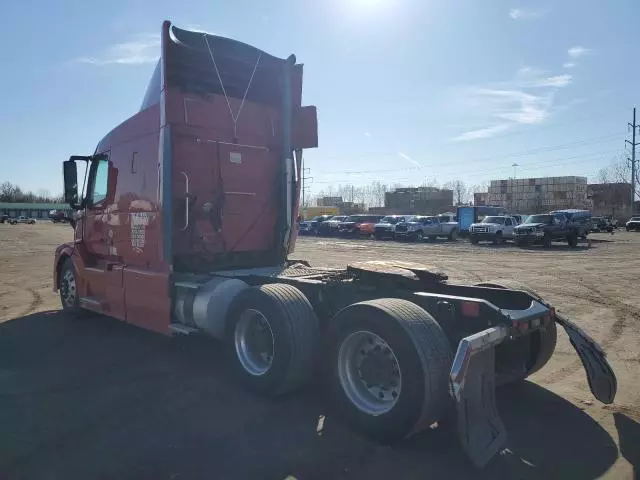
(390, 362)
(273, 337)
(69, 295)
(418, 237)
(572, 240)
(474, 239)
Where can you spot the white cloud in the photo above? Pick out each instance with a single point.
(577, 52)
(528, 99)
(557, 81)
(569, 64)
(482, 133)
(143, 48)
(409, 159)
(367, 134)
(526, 13)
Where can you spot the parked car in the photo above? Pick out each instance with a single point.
(547, 228)
(22, 219)
(633, 224)
(495, 228)
(385, 228)
(427, 227)
(310, 227)
(4, 218)
(358, 225)
(599, 224)
(580, 220)
(329, 227)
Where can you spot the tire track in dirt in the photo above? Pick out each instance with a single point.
(36, 301)
(623, 314)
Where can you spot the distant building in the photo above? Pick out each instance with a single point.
(535, 195)
(328, 201)
(418, 200)
(610, 199)
(32, 210)
(480, 198)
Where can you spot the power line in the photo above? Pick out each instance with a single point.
(524, 166)
(477, 160)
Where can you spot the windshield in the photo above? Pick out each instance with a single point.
(635, 219)
(352, 218)
(392, 220)
(499, 220)
(539, 219)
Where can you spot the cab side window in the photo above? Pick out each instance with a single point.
(99, 182)
(508, 223)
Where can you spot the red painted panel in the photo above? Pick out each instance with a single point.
(147, 299)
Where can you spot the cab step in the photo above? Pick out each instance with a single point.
(180, 329)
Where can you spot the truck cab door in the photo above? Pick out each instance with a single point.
(508, 228)
(95, 230)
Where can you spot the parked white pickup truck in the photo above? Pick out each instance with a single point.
(22, 219)
(426, 227)
(492, 228)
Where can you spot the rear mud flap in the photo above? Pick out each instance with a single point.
(602, 380)
(472, 380)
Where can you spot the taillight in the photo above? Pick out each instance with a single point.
(470, 309)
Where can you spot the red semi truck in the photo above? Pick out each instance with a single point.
(185, 222)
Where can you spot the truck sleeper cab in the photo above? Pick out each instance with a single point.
(185, 228)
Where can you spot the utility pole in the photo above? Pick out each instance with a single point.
(304, 179)
(633, 144)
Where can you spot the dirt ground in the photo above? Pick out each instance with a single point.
(100, 399)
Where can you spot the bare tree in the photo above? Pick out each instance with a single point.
(603, 175)
(14, 194)
(461, 193)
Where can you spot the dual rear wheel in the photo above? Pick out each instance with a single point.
(386, 361)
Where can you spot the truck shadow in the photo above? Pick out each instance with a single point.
(98, 398)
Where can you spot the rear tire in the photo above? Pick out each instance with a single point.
(407, 361)
(572, 240)
(273, 338)
(453, 235)
(542, 343)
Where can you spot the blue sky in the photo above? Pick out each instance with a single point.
(406, 90)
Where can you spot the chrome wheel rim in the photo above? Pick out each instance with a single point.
(68, 288)
(254, 342)
(369, 372)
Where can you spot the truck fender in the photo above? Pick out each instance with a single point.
(64, 251)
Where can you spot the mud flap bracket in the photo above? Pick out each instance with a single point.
(472, 382)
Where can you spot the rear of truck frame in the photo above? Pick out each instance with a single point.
(185, 223)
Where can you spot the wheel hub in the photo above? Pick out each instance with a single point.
(254, 342)
(369, 372)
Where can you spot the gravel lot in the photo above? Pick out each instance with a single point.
(100, 399)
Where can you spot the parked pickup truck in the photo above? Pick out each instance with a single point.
(633, 224)
(426, 227)
(22, 219)
(495, 228)
(310, 227)
(547, 228)
(387, 226)
(358, 225)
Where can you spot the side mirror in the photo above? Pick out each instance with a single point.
(70, 172)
